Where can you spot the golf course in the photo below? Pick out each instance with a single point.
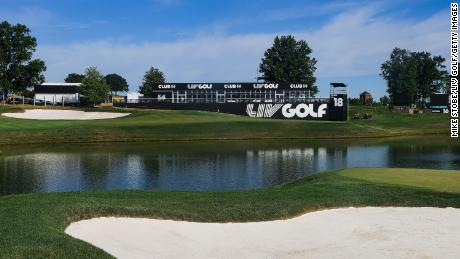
(33, 224)
(229, 129)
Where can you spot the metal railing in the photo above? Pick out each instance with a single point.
(223, 100)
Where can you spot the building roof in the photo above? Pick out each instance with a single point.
(61, 84)
(365, 93)
(338, 85)
(55, 88)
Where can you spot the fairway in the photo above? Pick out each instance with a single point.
(32, 225)
(170, 125)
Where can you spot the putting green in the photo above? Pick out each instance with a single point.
(436, 180)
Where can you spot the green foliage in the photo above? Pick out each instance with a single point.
(413, 74)
(289, 61)
(400, 73)
(444, 83)
(94, 86)
(430, 73)
(354, 101)
(152, 76)
(74, 78)
(117, 83)
(385, 100)
(17, 68)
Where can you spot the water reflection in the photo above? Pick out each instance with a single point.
(204, 166)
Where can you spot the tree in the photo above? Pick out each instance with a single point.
(413, 74)
(152, 77)
(354, 101)
(445, 83)
(116, 83)
(385, 100)
(400, 74)
(74, 78)
(94, 86)
(17, 68)
(289, 61)
(430, 74)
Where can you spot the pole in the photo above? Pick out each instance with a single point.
(62, 101)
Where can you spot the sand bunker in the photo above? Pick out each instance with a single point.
(339, 233)
(39, 114)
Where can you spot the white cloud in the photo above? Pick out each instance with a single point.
(354, 43)
(204, 59)
(309, 11)
(357, 43)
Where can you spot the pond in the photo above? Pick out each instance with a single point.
(206, 166)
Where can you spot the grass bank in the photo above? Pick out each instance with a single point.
(162, 125)
(32, 225)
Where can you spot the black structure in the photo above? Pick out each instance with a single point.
(401, 100)
(55, 88)
(261, 100)
(439, 103)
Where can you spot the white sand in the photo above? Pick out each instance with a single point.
(339, 233)
(39, 114)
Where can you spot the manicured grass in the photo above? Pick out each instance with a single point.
(160, 125)
(33, 225)
(447, 181)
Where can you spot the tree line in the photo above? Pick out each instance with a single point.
(413, 76)
(96, 87)
(410, 75)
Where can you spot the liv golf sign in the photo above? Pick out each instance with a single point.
(256, 100)
(288, 110)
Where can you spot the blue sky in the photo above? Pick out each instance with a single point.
(193, 41)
